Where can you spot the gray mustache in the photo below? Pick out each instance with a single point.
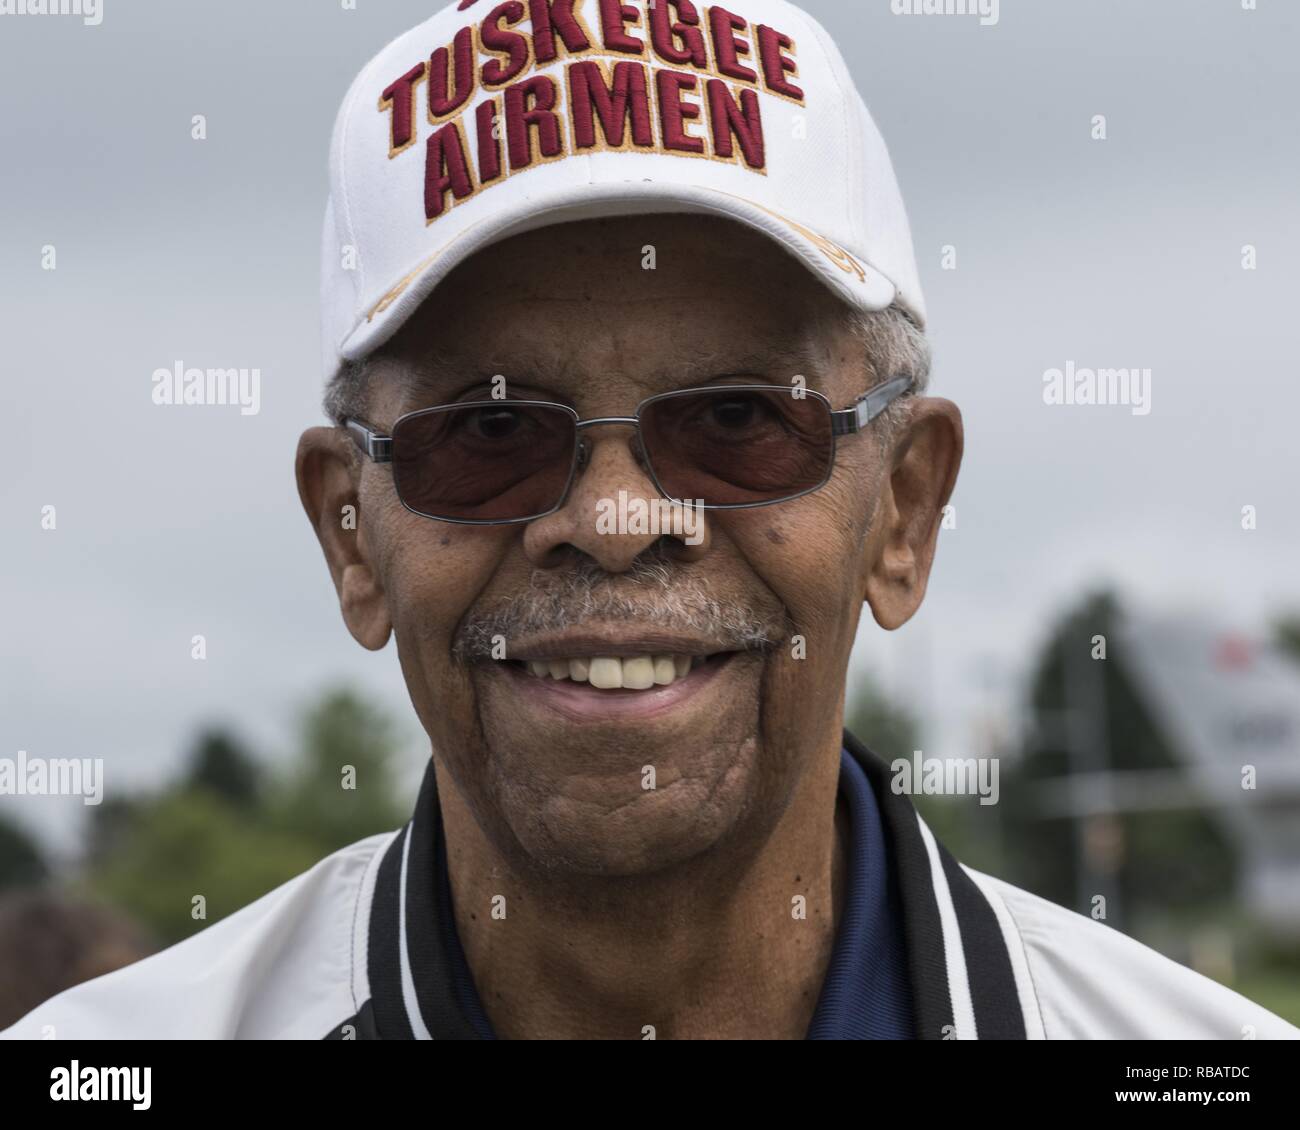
(652, 592)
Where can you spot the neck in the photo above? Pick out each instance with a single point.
(719, 947)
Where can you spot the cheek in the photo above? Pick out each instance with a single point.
(810, 553)
(431, 573)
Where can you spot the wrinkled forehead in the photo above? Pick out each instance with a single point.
(641, 303)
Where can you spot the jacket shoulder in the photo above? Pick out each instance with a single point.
(285, 966)
(1092, 982)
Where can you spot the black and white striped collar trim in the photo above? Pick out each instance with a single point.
(407, 966)
(965, 961)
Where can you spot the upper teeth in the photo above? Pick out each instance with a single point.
(634, 672)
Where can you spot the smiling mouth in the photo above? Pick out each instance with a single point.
(615, 673)
(593, 695)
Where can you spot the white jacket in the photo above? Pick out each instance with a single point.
(355, 949)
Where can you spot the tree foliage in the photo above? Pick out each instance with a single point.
(231, 829)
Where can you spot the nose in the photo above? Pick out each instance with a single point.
(614, 512)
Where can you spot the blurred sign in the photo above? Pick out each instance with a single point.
(1230, 708)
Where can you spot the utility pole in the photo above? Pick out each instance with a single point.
(1098, 845)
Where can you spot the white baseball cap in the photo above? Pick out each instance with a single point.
(491, 119)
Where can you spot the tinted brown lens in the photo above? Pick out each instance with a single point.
(484, 462)
(729, 447)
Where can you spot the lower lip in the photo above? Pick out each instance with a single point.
(581, 702)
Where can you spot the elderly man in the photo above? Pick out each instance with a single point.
(626, 370)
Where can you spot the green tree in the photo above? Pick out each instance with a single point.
(224, 834)
(886, 728)
(1286, 633)
(225, 768)
(1169, 861)
(21, 861)
(190, 844)
(341, 788)
(892, 731)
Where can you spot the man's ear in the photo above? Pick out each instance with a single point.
(924, 465)
(328, 477)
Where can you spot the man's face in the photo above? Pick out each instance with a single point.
(758, 618)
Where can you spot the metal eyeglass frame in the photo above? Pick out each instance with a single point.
(844, 421)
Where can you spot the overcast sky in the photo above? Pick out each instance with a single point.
(171, 523)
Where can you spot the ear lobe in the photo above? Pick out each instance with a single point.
(327, 485)
(926, 460)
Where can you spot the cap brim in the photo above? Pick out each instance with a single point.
(847, 274)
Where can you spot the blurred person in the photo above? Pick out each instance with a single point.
(50, 942)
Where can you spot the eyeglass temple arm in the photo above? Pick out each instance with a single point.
(867, 407)
(373, 446)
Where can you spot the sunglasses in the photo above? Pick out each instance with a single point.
(724, 447)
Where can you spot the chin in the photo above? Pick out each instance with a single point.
(586, 827)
